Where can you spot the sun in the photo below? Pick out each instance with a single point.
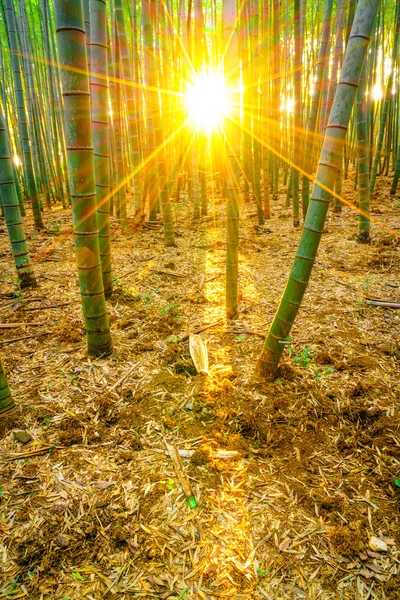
(207, 101)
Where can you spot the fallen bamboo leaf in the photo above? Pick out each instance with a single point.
(201, 282)
(377, 544)
(103, 485)
(199, 353)
(284, 545)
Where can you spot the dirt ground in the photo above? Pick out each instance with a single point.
(91, 507)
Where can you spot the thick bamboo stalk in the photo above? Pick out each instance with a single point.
(78, 136)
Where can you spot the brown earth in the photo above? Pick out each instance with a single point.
(91, 507)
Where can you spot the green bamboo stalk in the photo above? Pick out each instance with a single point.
(243, 41)
(136, 150)
(312, 119)
(78, 135)
(327, 170)
(199, 62)
(396, 176)
(229, 20)
(386, 102)
(4, 99)
(6, 400)
(115, 97)
(151, 108)
(363, 157)
(297, 111)
(165, 200)
(86, 24)
(12, 214)
(34, 114)
(265, 109)
(52, 107)
(31, 190)
(59, 109)
(99, 95)
(129, 91)
(276, 94)
(255, 69)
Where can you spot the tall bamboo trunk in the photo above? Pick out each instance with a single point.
(31, 190)
(229, 20)
(386, 103)
(12, 214)
(297, 110)
(78, 136)
(327, 170)
(101, 145)
(363, 158)
(312, 120)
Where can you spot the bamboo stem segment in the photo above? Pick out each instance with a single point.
(78, 137)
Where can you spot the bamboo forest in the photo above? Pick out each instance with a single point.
(199, 299)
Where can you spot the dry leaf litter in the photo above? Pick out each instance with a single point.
(294, 480)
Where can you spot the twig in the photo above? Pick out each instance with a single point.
(14, 325)
(212, 278)
(343, 283)
(57, 305)
(199, 330)
(11, 457)
(121, 379)
(124, 275)
(246, 331)
(387, 303)
(123, 568)
(25, 337)
(171, 274)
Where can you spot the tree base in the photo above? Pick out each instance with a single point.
(27, 280)
(363, 237)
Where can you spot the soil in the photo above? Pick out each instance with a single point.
(92, 507)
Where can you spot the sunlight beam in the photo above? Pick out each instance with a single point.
(207, 101)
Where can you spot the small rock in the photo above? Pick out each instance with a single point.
(63, 541)
(189, 406)
(22, 436)
(377, 544)
(204, 410)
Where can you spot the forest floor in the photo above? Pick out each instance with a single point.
(91, 506)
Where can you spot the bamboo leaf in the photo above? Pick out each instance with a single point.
(199, 353)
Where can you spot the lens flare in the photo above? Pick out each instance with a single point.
(207, 101)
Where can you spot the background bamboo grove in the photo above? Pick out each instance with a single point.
(95, 118)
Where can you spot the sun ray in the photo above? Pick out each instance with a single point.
(314, 180)
(42, 253)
